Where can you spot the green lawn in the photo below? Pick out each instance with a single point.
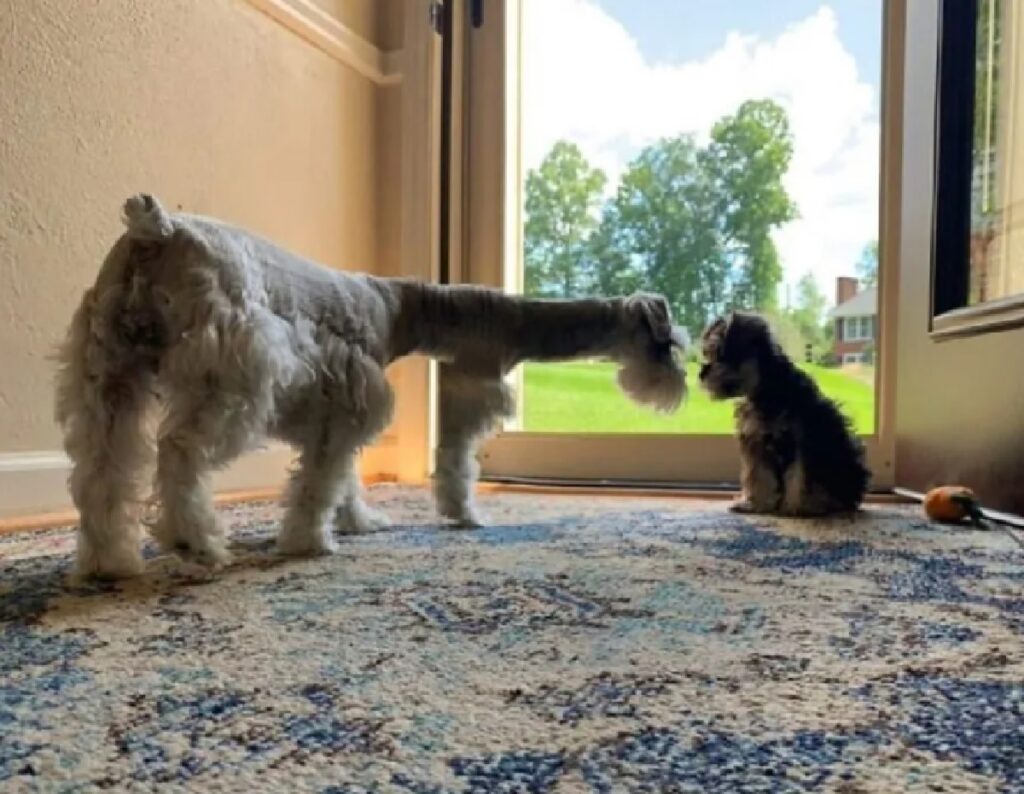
(583, 397)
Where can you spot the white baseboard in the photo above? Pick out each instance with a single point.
(36, 482)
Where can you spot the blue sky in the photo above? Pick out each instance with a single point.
(614, 76)
(676, 30)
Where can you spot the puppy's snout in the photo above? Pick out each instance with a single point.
(704, 370)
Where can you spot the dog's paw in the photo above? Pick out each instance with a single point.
(107, 565)
(358, 518)
(212, 553)
(201, 543)
(467, 518)
(293, 542)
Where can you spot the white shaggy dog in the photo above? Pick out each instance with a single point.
(227, 339)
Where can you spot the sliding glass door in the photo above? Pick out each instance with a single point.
(729, 155)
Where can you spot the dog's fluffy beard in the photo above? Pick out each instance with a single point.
(798, 454)
(659, 385)
(650, 372)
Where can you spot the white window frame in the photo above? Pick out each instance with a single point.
(858, 329)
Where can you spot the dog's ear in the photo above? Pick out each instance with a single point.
(654, 311)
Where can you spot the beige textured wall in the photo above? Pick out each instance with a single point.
(209, 104)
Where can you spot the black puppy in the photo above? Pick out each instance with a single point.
(798, 454)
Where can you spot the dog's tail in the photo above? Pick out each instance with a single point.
(146, 219)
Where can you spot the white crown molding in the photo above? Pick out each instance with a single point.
(328, 34)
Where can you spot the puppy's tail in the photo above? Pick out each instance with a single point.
(146, 219)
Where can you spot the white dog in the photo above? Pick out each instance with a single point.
(228, 339)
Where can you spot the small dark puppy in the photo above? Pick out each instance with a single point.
(798, 454)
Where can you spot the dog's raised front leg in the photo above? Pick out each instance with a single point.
(471, 405)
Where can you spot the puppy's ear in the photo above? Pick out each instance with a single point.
(751, 335)
(713, 336)
(719, 325)
(654, 311)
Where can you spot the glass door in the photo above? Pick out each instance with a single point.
(962, 284)
(725, 155)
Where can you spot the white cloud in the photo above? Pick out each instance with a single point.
(585, 79)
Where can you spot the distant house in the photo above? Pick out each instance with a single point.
(856, 322)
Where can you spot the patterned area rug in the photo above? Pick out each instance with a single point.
(579, 644)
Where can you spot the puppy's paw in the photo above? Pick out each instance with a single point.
(743, 507)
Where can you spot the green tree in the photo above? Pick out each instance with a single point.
(787, 333)
(610, 266)
(808, 315)
(746, 160)
(660, 232)
(867, 265)
(562, 200)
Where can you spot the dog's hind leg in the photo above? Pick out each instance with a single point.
(314, 492)
(198, 435)
(350, 409)
(471, 406)
(103, 393)
(219, 383)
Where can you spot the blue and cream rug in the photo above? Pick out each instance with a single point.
(580, 644)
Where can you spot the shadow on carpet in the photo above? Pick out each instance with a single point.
(578, 644)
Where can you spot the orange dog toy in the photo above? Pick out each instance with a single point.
(951, 504)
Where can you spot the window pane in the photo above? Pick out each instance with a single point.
(682, 148)
(997, 194)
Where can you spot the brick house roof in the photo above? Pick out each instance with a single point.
(863, 304)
